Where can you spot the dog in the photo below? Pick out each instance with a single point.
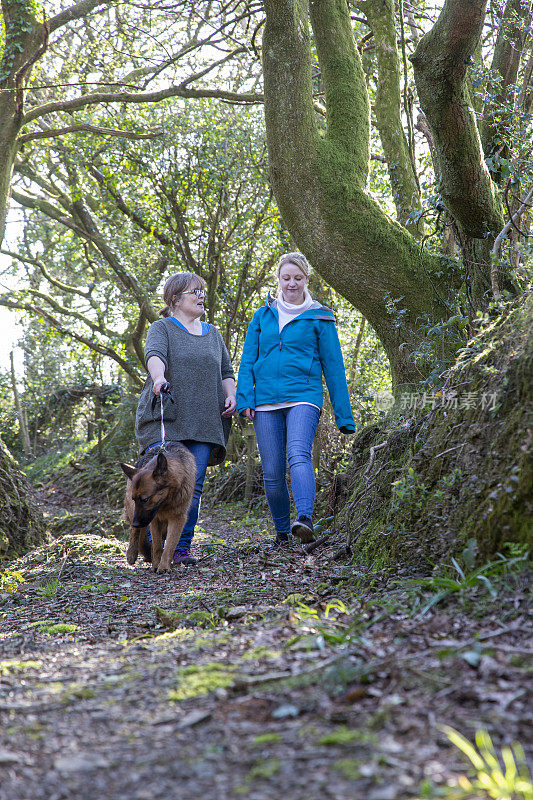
(158, 494)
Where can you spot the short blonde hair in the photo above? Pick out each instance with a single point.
(298, 259)
(175, 286)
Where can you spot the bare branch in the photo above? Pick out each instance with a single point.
(85, 128)
(54, 281)
(498, 241)
(70, 312)
(127, 280)
(58, 326)
(140, 97)
(122, 206)
(76, 12)
(210, 67)
(88, 230)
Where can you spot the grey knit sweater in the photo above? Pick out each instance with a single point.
(195, 367)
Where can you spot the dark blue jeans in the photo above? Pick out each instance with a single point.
(201, 452)
(287, 434)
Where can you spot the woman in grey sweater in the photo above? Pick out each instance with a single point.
(191, 356)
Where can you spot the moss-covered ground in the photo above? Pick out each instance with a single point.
(424, 484)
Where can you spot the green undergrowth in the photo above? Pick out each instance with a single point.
(175, 620)
(83, 471)
(492, 775)
(44, 567)
(98, 520)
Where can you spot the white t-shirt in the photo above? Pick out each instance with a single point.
(287, 312)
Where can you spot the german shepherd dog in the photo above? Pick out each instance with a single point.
(158, 494)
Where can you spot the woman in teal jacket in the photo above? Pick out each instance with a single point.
(291, 341)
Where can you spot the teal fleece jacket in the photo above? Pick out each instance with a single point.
(287, 366)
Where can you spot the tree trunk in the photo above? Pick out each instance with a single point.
(23, 37)
(21, 522)
(23, 421)
(440, 65)
(387, 108)
(355, 356)
(319, 181)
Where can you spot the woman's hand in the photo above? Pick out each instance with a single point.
(230, 393)
(158, 383)
(230, 404)
(248, 412)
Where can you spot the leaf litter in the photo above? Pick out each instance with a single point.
(253, 674)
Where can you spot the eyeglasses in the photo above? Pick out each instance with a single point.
(197, 292)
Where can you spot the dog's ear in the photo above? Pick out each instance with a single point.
(161, 466)
(128, 470)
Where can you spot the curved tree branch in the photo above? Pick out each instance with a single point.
(107, 184)
(347, 106)
(53, 281)
(319, 183)
(139, 97)
(53, 133)
(60, 327)
(88, 230)
(77, 11)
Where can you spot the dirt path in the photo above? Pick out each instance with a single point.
(235, 679)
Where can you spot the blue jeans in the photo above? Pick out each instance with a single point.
(287, 434)
(201, 452)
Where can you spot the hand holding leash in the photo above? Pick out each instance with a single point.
(159, 382)
(163, 390)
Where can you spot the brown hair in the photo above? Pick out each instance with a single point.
(175, 286)
(298, 259)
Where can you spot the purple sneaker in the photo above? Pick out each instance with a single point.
(182, 555)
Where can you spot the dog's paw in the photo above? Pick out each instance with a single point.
(131, 556)
(163, 566)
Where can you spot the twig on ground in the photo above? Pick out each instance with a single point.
(372, 455)
(204, 558)
(313, 545)
(61, 568)
(344, 552)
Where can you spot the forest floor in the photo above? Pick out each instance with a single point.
(253, 674)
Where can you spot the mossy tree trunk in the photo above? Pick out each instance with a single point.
(23, 35)
(387, 110)
(440, 65)
(319, 181)
(21, 523)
